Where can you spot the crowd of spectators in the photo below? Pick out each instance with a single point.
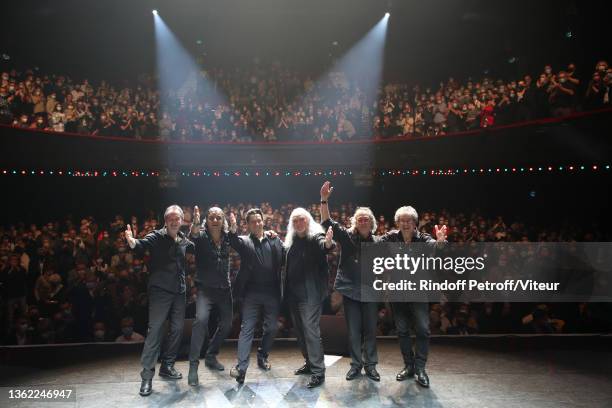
(68, 281)
(272, 103)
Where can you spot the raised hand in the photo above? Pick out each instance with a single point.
(195, 226)
(326, 190)
(440, 233)
(196, 215)
(329, 236)
(232, 222)
(129, 236)
(271, 234)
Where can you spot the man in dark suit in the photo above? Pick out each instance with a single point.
(258, 286)
(306, 287)
(167, 248)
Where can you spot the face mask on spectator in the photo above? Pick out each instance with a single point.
(127, 331)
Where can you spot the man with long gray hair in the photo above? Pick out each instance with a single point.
(167, 248)
(361, 317)
(306, 286)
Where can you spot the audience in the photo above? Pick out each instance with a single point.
(272, 103)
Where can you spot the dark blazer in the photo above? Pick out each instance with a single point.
(348, 278)
(316, 269)
(243, 244)
(167, 263)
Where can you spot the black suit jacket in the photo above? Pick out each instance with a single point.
(316, 270)
(243, 244)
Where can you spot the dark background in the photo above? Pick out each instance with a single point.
(427, 41)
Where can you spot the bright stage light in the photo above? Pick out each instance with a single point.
(387, 14)
(154, 11)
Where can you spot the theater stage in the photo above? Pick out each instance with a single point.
(510, 371)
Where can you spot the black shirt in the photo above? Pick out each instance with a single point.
(260, 266)
(212, 261)
(307, 269)
(263, 276)
(295, 268)
(348, 278)
(167, 263)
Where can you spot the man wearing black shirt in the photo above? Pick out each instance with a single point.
(405, 313)
(562, 95)
(212, 249)
(259, 285)
(306, 286)
(167, 248)
(361, 317)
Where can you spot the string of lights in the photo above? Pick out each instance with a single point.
(306, 173)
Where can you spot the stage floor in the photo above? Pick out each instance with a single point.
(485, 373)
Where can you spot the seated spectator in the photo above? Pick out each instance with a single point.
(128, 335)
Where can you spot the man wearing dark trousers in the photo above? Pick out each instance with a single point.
(361, 317)
(212, 250)
(416, 314)
(306, 286)
(258, 287)
(167, 248)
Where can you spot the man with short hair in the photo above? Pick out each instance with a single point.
(417, 313)
(259, 286)
(167, 248)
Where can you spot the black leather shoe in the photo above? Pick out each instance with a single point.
(315, 381)
(168, 371)
(305, 369)
(263, 363)
(406, 373)
(372, 373)
(213, 363)
(353, 373)
(421, 378)
(146, 387)
(192, 377)
(238, 374)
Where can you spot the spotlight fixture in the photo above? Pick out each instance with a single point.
(154, 11)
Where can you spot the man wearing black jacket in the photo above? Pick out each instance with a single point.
(167, 248)
(212, 250)
(361, 317)
(415, 313)
(306, 286)
(258, 286)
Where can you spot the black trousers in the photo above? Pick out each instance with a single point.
(407, 315)
(209, 298)
(361, 319)
(162, 305)
(253, 303)
(307, 322)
